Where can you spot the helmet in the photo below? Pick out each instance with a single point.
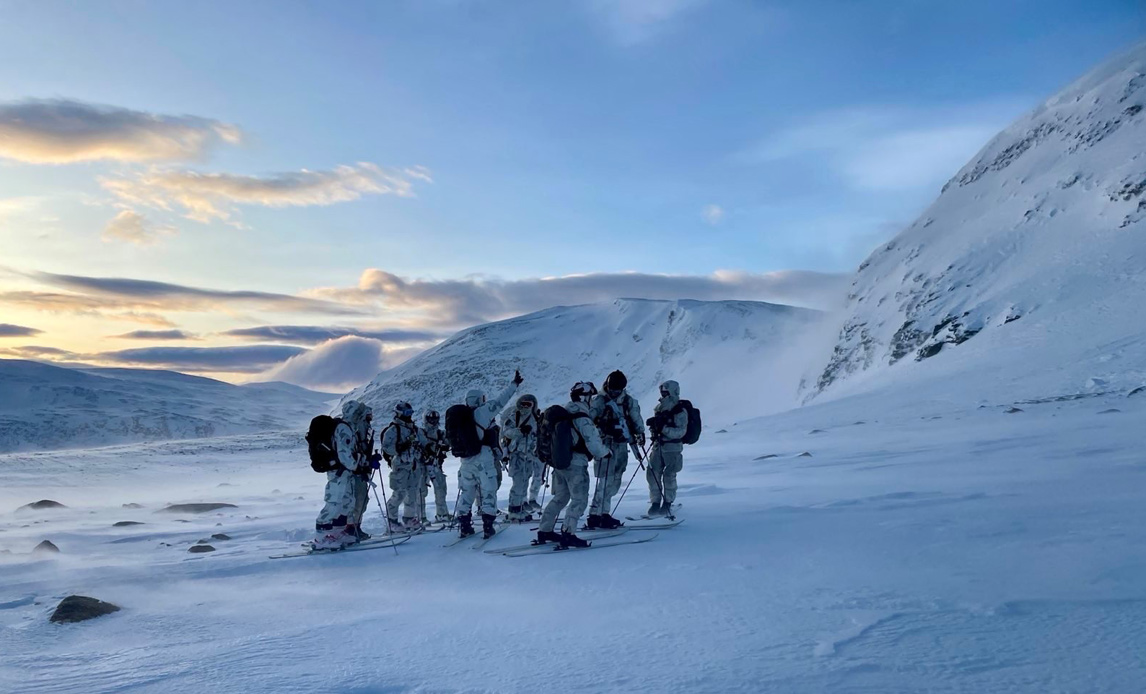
(584, 389)
(432, 417)
(615, 383)
(404, 410)
(527, 401)
(475, 398)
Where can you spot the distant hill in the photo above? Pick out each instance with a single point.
(46, 407)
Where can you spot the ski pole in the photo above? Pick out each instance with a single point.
(640, 456)
(384, 516)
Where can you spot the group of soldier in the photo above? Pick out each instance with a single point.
(605, 426)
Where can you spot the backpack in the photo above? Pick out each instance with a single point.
(320, 443)
(692, 433)
(555, 445)
(461, 432)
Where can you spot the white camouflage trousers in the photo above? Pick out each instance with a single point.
(403, 491)
(536, 479)
(437, 478)
(521, 467)
(477, 479)
(663, 467)
(570, 488)
(610, 475)
(339, 501)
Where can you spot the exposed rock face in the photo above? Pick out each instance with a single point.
(41, 505)
(79, 608)
(46, 547)
(200, 549)
(196, 508)
(1043, 225)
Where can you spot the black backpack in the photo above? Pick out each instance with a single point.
(692, 433)
(320, 443)
(461, 432)
(555, 445)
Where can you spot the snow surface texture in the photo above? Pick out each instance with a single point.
(1037, 243)
(47, 407)
(737, 357)
(923, 546)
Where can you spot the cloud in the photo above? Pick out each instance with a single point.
(157, 335)
(134, 228)
(103, 294)
(713, 214)
(54, 354)
(884, 148)
(9, 330)
(632, 22)
(61, 131)
(340, 364)
(242, 359)
(463, 302)
(207, 196)
(315, 334)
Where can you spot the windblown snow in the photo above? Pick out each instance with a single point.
(46, 407)
(959, 511)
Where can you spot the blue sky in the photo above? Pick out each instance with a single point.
(524, 140)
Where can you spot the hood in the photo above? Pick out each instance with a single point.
(475, 398)
(577, 407)
(673, 389)
(354, 413)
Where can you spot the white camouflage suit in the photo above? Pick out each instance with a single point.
(665, 459)
(342, 506)
(610, 472)
(477, 477)
(571, 485)
(402, 444)
(436, 447)
(519, 435)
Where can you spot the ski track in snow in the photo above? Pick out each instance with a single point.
(907, 554)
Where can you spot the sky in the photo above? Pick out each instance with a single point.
(312, 192)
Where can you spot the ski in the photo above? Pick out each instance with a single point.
(485, 540)
(599, 536)
(459, 540)
(639, 524)
(596, 544)
(359, 547)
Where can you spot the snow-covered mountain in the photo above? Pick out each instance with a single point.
(48, 407)
(1031, 264)
(732, 357)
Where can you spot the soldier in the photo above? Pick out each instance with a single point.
(433, 457)
(667, 426)
(402, 445)
(519, 435)
(618, 417)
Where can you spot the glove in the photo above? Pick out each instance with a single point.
(517, 379)
(640, 439)
(526, 430)
(402, 446)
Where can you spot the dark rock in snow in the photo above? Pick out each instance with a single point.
(195, 508)
(805, 454)
(1137, 391)
(766, 457)
(46, 547)
(200, 549)
(124, 524)
(222, 537)
(132, 506)
(79, 608)
(722, 431)
(1013, 410)
(1112, 410)
(41, 505)
(816, 431)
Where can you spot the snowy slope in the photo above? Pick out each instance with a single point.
(45, 407)
(734, 358)
(1033, 257)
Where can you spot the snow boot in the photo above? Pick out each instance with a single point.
(465, 525)
(487, 528)
(411, 523)
(361, 534)
(351, 534)
(607, 522)
(593, 522)
(666, 509)
(332, 539)
(571, 540)
(654, 510)
(544, 536)
(443, 518)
